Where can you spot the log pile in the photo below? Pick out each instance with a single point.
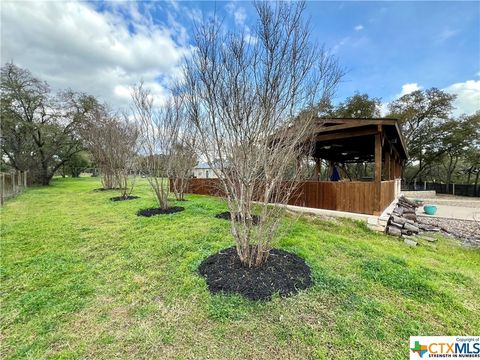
(403, 221)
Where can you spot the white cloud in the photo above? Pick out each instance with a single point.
(238, 13)
(340, 44)
(240, 16)
(409, 88)
(250, 39)
(358, 27)
(71, 45)
(468, 96)
(467, 101)
(446, 34)
(383, 109)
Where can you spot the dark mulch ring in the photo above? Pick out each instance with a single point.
(112, 189)
(226, 216)
(158, 211)
(121, 198)
(284, 273)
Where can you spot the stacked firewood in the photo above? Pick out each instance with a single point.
(403, 220)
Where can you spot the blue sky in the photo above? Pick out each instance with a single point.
(387, 48)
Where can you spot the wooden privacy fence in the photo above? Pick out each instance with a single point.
(11, 184)
(354, 196)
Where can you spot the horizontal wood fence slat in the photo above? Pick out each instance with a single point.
(354, 196)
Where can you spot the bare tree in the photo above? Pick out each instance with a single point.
(183, 161)
(125, 150)
(253, 104)
(182, 156)
(112, 140)
(162, 145)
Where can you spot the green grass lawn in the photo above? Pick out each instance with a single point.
(82, 277)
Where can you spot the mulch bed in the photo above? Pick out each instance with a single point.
(121, 198)
(158, 211)
(226, 216)
(284, 273)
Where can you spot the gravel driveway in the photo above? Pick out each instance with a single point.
(456, 216)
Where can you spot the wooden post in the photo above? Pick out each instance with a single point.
(393, 160)
(318, 168)
(2, 190)
(387, 166)
(14, 188)
(378, 171)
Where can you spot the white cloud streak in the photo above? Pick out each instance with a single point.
(409, 88)
(446, 34)
(239, 14)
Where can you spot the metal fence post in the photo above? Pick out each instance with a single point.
(2, 191)
(14, 187)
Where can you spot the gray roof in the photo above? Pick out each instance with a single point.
(202, 165)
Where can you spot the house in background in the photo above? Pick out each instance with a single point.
(203, 171)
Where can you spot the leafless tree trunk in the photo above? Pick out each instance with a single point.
(182, 163)
(113, 144)
(166, 143)
(253, 104)
(182, 157)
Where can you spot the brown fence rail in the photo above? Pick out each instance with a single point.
(11, 184)
(354, 196)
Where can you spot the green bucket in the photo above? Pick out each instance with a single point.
(430, 209)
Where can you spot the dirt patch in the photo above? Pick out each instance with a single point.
(121, 198)
(226, 216)
(158, 211)
(283, 272)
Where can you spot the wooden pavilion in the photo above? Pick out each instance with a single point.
(344, 141)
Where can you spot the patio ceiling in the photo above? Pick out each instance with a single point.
(353, 140)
